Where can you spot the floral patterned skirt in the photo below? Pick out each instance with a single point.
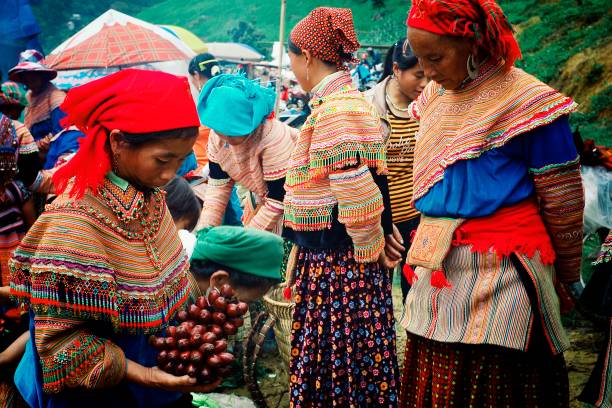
(343, 337)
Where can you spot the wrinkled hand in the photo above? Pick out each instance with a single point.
(394, 245)
(160, 379)
(386, 262)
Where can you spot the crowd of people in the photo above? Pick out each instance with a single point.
(123, 201)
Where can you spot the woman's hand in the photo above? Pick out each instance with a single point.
(155, 378)
(387, 263)
(394, 245)
(5, 293)
(169, 382)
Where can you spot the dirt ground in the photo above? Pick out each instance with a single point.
(273, 380)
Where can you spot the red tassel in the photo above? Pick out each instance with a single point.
(438, 280)
(287, 293)
(409, 274)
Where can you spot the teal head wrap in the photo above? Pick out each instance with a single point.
(247, 250)
(232, 105)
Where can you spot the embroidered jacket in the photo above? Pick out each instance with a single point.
(330, 167)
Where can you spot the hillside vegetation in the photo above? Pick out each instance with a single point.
(566, 43)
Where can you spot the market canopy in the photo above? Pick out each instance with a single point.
(189, 38)
(234, 52)
(116, 39)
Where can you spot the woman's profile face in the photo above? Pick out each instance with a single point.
(411, 81)
(442, 58)
(154, 163)
(299, 68)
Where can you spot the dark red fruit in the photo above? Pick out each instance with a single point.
(170, 343)
(189, 324)
(182, 316)
(173, 356)
(213, 295)
(227, 291)
(185, 356)
(162, 358)
(209, 337)
(232, 310)
(182, 332)
(168, 367)
(219, 318)
(181, 369)
(238, 322)
(194, 311)
(217, 330)
(198, 328)
(226, 358)
(171, 331)
(220, 346)
(206, 349)
(196, 339)
(220, 304)
(205, 316)
(242, 308)
(204, 375)
(214, 361)
(191, 370)
(229, 329)
(202, 302)
(196, 357)
(183, 344)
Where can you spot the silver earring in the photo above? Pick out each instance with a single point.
(472, 67)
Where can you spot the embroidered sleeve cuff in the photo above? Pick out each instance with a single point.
(368, 241)
(268, 216)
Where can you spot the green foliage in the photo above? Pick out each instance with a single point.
(245, 33)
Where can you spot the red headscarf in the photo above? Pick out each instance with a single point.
(480, 20)
(134, 101)
(328, 33)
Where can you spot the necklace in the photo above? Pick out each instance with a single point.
(394, 106)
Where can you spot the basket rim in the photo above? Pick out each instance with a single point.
(274, 302)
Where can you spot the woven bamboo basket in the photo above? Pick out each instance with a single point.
(282, 311)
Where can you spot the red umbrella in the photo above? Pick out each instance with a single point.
(116, 39)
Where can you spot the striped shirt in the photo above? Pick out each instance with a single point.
(400, 156)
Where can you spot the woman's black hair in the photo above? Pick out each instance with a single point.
(182, 202)
(204, 65)
(140, 139)
(346, 57)
(238, 279)
(401, 54)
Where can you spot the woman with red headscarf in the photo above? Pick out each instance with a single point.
(103, 266)
(497, 181)
(343, 336)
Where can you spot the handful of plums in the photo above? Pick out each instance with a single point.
(198, 346)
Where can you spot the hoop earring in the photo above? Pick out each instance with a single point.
(472, 67)
(115, 163)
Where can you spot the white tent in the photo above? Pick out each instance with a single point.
(234, 52)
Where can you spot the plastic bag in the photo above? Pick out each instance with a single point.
(597, 183)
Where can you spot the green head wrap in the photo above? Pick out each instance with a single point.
(247, 250)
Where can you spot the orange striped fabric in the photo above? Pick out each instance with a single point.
(263, 157)
(400, 157)
(488, 303)
(343, 130)
(491, 110)
(91, 261)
